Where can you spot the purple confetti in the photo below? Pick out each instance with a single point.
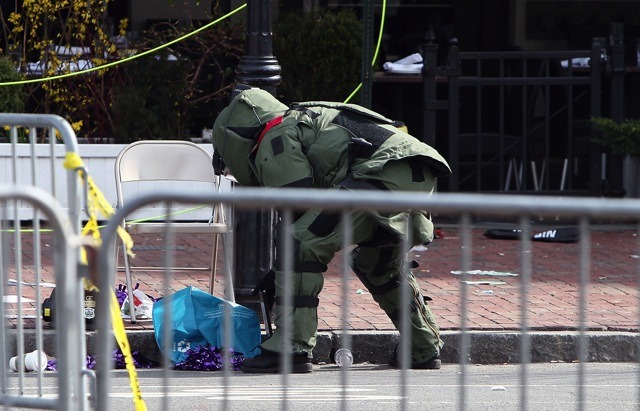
(52, 365)
(121, 293)
(139, 361)
(208, 358)
(91, 362)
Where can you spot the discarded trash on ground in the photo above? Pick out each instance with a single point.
(485, 272)
(555, 235)
(208, 358)
(139, 360)
(196, 321)
(143, 303)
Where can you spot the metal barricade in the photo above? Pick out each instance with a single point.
(230, 390)
(42, 200)
(37, 159)
(23, 333)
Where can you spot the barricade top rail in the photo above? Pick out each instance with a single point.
(24, 165)
(29, 275)
(446, 203)
(38, 178)
(42, 120)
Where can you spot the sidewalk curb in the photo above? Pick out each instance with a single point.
(484, 347)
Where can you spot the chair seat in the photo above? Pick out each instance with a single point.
(161, 227)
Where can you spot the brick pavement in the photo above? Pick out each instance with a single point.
(552, 297)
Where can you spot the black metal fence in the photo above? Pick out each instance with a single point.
(520, 120)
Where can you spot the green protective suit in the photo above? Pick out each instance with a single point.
(332, 146)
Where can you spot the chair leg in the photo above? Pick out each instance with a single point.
(563, 179)
(513, 171)
(534, 175)
(214, 264)
(507, 182)
(127, 270)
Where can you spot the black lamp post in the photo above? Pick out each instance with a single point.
(254, 230)
(259, 67)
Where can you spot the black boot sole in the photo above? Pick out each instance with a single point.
(433, 364)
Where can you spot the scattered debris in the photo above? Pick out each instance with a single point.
(555, 235)
(11, 281)
(14, 299)
(485, 272)
(484, 282)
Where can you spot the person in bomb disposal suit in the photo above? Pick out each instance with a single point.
(332, 145)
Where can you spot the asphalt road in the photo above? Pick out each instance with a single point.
(553, 386)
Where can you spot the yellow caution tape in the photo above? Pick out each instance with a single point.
(123, 342)
(97, 201)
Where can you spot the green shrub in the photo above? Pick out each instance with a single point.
(162, 99)
(12, 98)
(150, 104)
(320, 54)
(147, 99)
(620, 137)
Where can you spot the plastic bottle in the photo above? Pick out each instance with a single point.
(343, 358)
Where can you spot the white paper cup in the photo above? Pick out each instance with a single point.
(29, 361)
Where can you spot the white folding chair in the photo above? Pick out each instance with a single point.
(146, 165)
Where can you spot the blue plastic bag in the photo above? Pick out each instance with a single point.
(197, 320)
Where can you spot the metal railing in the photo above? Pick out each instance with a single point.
(461, 208)
(38, 232)
(36, 138)
(24, 330)
(518, 120)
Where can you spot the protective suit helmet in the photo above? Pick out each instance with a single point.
(236, 130)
